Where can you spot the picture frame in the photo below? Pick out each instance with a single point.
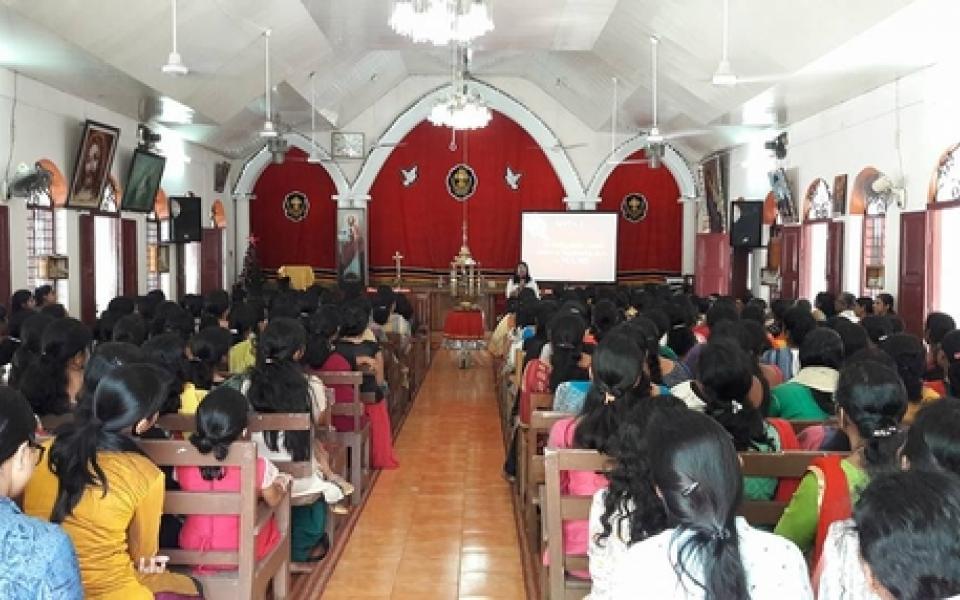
(98, 146)
(769, 277)
(840, 195)
(54, 267)
(345, 144)
(352, 245)
(158, 259)
(143, 181)
(874, 277)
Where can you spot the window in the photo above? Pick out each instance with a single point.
(46, 236)
(158, 255)
(874, 234)
(945, 294)
(191, 268)
(106, 233)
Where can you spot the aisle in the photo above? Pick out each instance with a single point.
(440, 527)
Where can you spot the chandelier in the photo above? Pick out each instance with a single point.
(441, 21)
(462, 108)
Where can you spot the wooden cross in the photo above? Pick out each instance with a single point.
(398, 258)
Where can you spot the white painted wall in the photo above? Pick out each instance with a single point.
(900, 128)
(47, 123)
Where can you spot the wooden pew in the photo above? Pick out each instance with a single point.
(537, 402)
(559, 508)
(251, 578)
(357, 442)
(772, 464)
(531, 494)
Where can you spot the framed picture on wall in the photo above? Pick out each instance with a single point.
(840, 195)
(352, 245)
(143, 179)
(98, 145)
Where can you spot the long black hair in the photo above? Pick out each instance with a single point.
(566, 341)
(873, 398)
(221, 419)
(278, 383)
(822, 347)
(167, 351)
(752, 339)
(19, 300)
(605, 316)
(521, 280)
(911, 358)
(933, 441)
(907, 523)
(130, 328)
(125, 397)
(17, 423)
(105, 359)
(31, 335)
(618, 380)
(207, 351)
(45, 381)
(680, 337)
(631, 497)
(647, 336)
(725, 377)
(696, 469)
(322, 327)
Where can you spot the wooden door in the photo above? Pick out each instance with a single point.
(5, 289)
(790, 262)
(835, 257)
(211, 260)
(129, 282)
(712, 272)
(88, 270)
(911, 295)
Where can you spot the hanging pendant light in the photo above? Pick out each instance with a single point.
(269, 129)
(463, 108)
(314, 157)
(174, 64)
(441, 22)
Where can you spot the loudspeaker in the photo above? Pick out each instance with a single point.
(746, 219)
(220, 172)
(185, 222)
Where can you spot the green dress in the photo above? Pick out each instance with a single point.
(799, 520)
(795, 402)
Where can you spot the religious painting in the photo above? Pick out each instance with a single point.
(818, 204)
(98, 145)
(351, 245)
(461, 182)
(296, 206)
(143, 181)
(634, 207)
(945, 185)
(786, 201)
(715, 192)
(840, 195)
(864, 198)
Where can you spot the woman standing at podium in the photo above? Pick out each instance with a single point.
(521, 279)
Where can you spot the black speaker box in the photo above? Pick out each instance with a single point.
(746, 219)
(185, 222)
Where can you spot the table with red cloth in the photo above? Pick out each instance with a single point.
(464, 330)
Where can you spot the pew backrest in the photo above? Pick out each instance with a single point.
(780, 465)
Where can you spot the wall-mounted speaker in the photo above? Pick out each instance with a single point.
(185, 222)
(746, 219)
(220, 172)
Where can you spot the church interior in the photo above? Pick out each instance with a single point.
(460, 299)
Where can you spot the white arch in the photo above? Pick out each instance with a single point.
(496, 100)
(255, 165)
(672, 160)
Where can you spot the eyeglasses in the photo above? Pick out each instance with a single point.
(39, 449)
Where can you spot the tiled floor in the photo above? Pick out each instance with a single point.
(441, 526)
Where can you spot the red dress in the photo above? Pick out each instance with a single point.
(381, 436)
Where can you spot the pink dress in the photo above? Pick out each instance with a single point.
(222, 532)
(576, 534)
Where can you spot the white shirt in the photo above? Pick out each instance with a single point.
(513, 287)
(606, 555)
(841, 572)
(773, 565)
(850, 316)
(684, 391)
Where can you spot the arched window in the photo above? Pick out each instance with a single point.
(943, 223)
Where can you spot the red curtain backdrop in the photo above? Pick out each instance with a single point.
(312, 241)
(653, 245)
(423, 222)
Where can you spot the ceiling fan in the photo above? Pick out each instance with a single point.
(174, 65)
(724, 75)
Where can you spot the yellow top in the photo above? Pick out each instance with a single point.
(242, 356)
(927, 396)
(190, 398)
(301, 277)
(112, 532)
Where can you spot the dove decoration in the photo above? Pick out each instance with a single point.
(512, 179)
(409, 176)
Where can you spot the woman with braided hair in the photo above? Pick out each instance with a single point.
(619, 382)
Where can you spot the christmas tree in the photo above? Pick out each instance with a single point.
(251, 277)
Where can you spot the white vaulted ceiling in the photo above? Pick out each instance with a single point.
(110, 51)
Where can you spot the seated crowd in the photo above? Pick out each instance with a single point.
(672, 388)
(77, 402)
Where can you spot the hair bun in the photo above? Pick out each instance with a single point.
(203, 444)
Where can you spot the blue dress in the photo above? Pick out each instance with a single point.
(37, 560)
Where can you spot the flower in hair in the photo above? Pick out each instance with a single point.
(690, 488)
(609, 398)
(268, 361)
(736, 406)
(722, 533)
